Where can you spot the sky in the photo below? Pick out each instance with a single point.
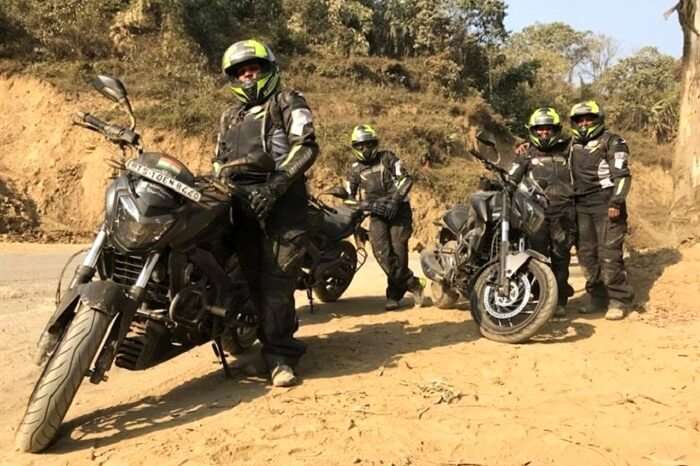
(632, 23)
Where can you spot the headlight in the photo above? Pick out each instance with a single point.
(133, 230)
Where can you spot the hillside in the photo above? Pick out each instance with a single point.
(48, 167)
(426, 93)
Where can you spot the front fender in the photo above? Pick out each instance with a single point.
(515, 261)
(104, 296)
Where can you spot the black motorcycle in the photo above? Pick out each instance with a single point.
(331, 261)
(482, 253)
(158, 280)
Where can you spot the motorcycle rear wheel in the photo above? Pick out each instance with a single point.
(60, 379)
(443, 297)
(333, 287)
(532, 301)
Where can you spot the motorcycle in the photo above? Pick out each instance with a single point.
(331, 261)
(158, 279)
(482, 253)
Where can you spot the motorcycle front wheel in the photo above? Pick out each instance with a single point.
(515, 318)
(60, 379)
(333, 284)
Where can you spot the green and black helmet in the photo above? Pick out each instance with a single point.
(585, 134)
(247, 52)
(544, 116)
(364, 143)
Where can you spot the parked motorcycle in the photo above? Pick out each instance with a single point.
(159, 279)
(331, 261)
(482, 253)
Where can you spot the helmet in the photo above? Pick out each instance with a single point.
(247, 52)
(364, 143)
(544, 116)
(585, 134)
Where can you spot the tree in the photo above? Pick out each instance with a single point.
(641, 93)
(555, 39)
(601, 56)
(685, 211)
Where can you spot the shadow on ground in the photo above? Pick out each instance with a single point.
(644, 268)
(362, 349)
(195, 399)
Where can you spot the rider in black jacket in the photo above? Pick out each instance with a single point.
(545, 161)
(379, 178)
(600, 171)
(266, 143)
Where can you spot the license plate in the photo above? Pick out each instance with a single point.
(164, 180)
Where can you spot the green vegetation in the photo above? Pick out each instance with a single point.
(422, 71)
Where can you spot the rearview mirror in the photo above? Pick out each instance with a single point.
(110, 87)
(487, 138)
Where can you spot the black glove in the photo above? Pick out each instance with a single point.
(261, 198)
(384, 208)
(391, 208)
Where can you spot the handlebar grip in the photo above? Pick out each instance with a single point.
(114, 133)
(93, 121)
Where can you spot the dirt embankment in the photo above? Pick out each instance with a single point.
(53, 174)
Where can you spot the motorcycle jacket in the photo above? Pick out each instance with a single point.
(600, 172)
(550, 170)
(385, 178)
(272, 141)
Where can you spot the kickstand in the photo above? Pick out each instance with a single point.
(310, 297)
(219, 352)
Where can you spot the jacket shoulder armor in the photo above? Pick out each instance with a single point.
(616, 139)
(387, 157)
(614, 142)
(292, 99)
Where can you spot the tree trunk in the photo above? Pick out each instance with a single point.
(685, 210)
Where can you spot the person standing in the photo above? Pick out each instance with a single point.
(378, 177)
(265, 145)
(545, 161)
(599, 164)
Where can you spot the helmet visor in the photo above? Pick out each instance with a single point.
(545, 131)
(584, 118)
(255, 69)
(362, 145)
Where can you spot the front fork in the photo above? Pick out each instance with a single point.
(86, 270)
(503, 285)
(125, 315)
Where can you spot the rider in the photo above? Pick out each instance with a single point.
(601, 176)
(379, 179)
(265, 145)
(545, 161)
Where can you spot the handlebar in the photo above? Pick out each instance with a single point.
(488, 163)
(506, 179)
(491, 166)
(319, 204)
(114, 133)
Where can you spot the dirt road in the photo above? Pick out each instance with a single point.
(412, 387)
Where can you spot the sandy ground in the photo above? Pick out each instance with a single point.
(411, 387)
